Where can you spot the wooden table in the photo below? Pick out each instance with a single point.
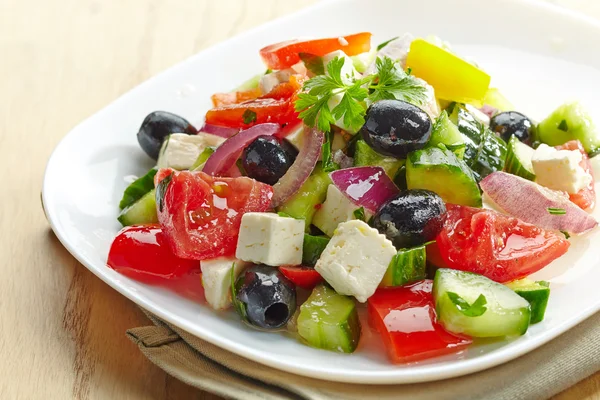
(62, 329)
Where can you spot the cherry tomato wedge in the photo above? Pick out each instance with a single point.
(143, 253)
(285, 54)
(276, 106)
(201, 214)
(305, 277)
(497, 246)
(224, 99)
(405, 317)
(586, 197)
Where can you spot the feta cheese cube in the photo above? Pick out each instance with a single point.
(348, 72)
(336, 209)
(559, 169)
(180, 151)
(356, 259)
(216, 280)
(267, 238)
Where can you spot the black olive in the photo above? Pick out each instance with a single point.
(157, 126)
(268, 158)
(266, 295)
(413, 217)
(395, 128)
(509, 123)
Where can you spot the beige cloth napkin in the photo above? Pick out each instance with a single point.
(540, 374)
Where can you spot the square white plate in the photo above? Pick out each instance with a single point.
(539, 55)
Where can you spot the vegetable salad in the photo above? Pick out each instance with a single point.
(347, 175)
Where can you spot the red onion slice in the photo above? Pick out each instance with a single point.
(222, 131)
(367, 187)
(301, 169)
(530, 202)
(230, 150)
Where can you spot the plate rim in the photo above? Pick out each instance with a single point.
(388, 377)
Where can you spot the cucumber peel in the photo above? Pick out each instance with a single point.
(312, 248)
(142, 211)
(446, 133)
(536, 293)
(518, 159)
(138, 188)
(364, 156)
(408, 265)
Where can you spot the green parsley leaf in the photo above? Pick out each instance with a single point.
(476, 309)
(556, 211)
(382, 45)
(327, 155)
(394, 83)
(563, 126)
(359, 213)
(313, 63)
(567, 236)
(249, 116)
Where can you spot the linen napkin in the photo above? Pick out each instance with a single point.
(540, 374)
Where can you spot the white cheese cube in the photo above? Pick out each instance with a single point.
(267, 238)
(356, 259)
(180, 151)
(336, 209)
(559, 169)
(348, 72)
(216, 280)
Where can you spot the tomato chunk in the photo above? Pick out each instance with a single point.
(143, 253)
(201, 214)
(276, 106)
(305, 277)
(497, 246)
(405, 317)
(285, 54)
(586, 197)
(224, 99)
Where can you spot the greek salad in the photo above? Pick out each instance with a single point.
(392, 179)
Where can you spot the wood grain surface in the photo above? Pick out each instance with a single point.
(62, 330)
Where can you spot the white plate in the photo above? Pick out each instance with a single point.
(538, 54)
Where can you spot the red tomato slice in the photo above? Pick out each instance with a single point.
(276, 106)
(405, 317)
(305, 277)
(143, 253)
(586, 197)
(223, 99)
(285, 54)
(201, 215)
(500, 247)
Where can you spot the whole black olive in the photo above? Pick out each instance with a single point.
(413, 217)
(268, 158)
(267, 297)
(509, 123)
(157, 126)
(395, 128)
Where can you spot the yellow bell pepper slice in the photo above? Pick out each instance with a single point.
(452, 77)
(494, 98)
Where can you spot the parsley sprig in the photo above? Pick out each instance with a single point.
(389, 82)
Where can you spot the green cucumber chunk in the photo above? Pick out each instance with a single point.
(536, 293)
(311, 193)
(365, 156)
(408, 265)
(329, 321)
(142, 211)
(471, 304)
(446, 133)
(138, 188)
(201, 160)
(439, 170)
(485, 152)
(518, 159)
(571, 121)
(250, 84)
(312, 248)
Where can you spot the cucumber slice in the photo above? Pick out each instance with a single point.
(446, 133)
(518, 159)
(329, 321)
(201, 160)
(142, 211)
(471, 304)
(312, 248)
(408, 265)
(536, 293)
(364, 156)
(571, 121)
(138, 188)
(440, 171)
(312, 192)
